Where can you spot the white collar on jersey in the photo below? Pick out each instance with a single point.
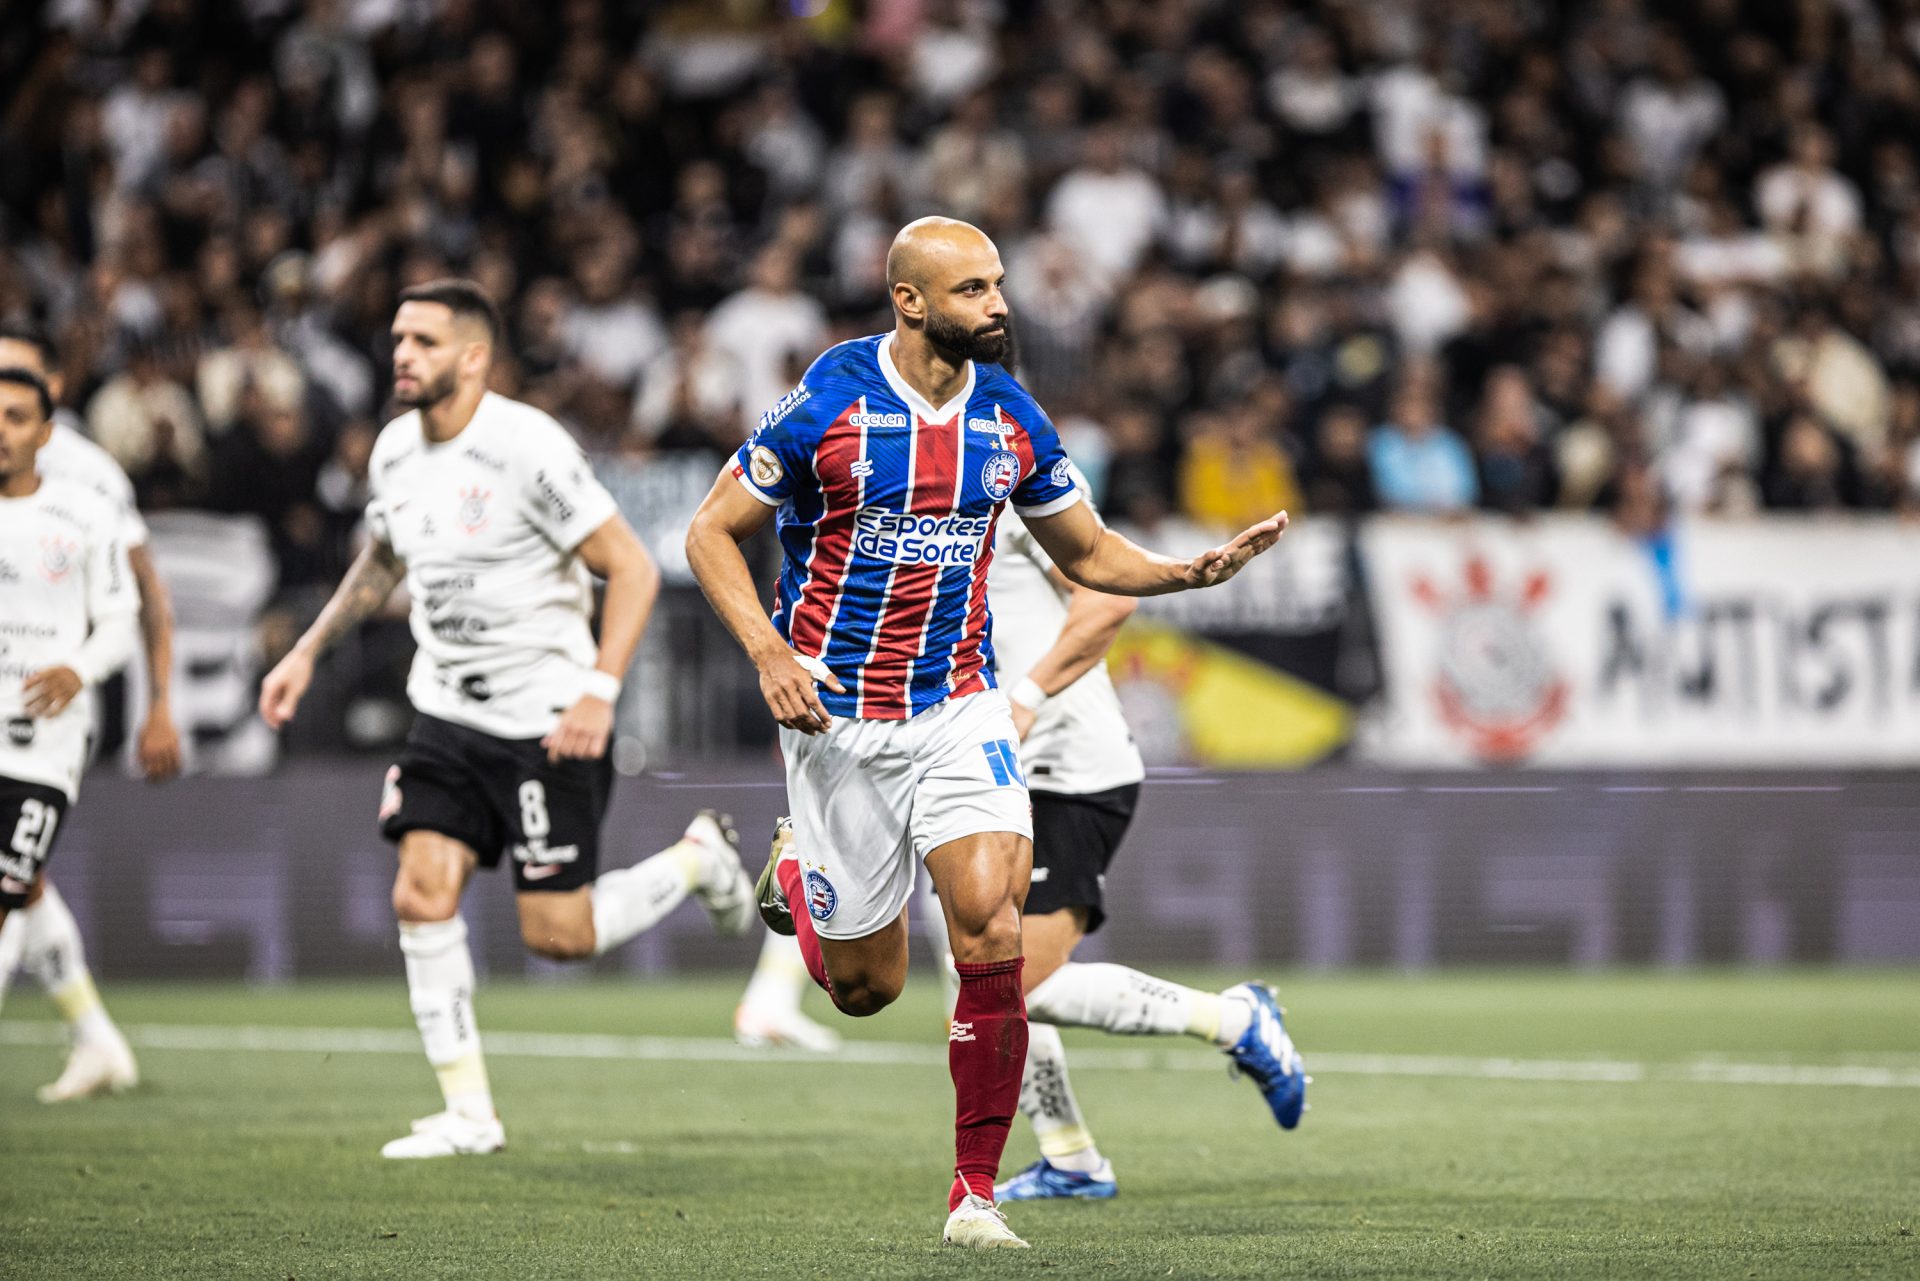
(915, 401)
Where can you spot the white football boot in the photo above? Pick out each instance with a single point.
(760, 1026)
(94, 1067)
(724, 889)
(447, 1134)
(976, 1225)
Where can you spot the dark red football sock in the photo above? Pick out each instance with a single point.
(787, 873)
(986, 1052)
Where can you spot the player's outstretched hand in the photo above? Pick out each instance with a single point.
(281, 691)
(49, 690)
(583, 731)
(159, 746)
(1211, 568)
(789, 691)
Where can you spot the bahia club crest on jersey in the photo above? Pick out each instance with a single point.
(887, 515)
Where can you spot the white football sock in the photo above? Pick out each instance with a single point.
(55, 956)
(1046, 1099)
(440, 988)
(634, 899)
(779, 976)
(13, 948)
(1129, 1003)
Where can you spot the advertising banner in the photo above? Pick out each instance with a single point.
(1564, 641)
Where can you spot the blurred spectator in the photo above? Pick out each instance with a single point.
(872, 158)
(1419, 464)
(1670, 113)
(1108, 210)
(1339, 476)
(1517, 473)
(1235, 472)
(765, 326)
(1806, 199)
(1813, 470)
(690, 394)
(249, 362)
(611, 330)
(151, 426)
(971, 159)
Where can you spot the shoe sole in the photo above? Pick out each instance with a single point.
(777, 915)
(1098, 1192)
(992, 1243)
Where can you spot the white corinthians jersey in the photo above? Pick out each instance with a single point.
(72, 457)
(487, 524)
(63, 572)
(1079, 742)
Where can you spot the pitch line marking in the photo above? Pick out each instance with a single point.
(224, 1038)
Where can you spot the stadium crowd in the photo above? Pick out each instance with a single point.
(1320, 254)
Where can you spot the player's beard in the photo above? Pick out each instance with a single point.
(429, 393)
(991, 344)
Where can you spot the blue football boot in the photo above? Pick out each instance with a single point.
(1265, 1052)
(1045, 1181)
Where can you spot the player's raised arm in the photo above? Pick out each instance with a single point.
(1094, 556)
(728, 516)
(369, 581)
(613, 552)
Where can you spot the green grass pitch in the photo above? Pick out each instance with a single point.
(1463, 1125)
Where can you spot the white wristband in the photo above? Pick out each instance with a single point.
(604, 686)
(1029, 694)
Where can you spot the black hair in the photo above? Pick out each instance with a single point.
(35, 337)
(27, 378)
(462, 298)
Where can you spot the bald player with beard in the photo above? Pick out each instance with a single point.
(887, 470)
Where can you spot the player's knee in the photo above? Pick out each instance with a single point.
(557, 942)
(986, 935)
(864, 997)
(420, 901)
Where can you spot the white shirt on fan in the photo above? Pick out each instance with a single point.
(487, 524)
(1080, 742)
(63, 573)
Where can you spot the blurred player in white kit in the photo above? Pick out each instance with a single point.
(1050, 641)
(43, 938)
(488, 510)
(68, 611)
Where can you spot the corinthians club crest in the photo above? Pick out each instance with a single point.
(473, 509)
(58, 558)
(1495, 684)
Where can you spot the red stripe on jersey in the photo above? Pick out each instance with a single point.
(832, 540)
(1020, 443)
(899, 635)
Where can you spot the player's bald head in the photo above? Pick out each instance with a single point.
(928, 251)
(945, 278)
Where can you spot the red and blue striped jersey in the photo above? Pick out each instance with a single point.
(887, 514)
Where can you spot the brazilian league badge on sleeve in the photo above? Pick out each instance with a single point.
(766, 469)
(1000, 475)
(822, 899)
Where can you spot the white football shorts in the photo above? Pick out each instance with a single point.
(872, 798)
